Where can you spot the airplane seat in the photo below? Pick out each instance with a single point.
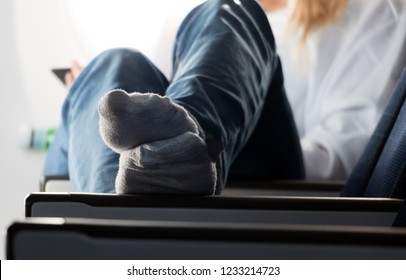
(84, 238)
(380, 172)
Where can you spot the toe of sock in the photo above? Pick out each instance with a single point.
(129, 120)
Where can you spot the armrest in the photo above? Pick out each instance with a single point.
(116, 239)
(54, 184)
(298, 210)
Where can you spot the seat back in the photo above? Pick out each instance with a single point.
(380, 170)
(69, 238)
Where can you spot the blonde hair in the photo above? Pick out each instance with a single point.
(308, 16)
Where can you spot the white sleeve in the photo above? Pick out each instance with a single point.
(354, 72)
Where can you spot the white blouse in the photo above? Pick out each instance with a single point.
(339, 82)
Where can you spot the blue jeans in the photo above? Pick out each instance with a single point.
(226, 73)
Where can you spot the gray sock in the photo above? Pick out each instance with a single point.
(161, 149)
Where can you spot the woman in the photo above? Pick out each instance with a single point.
(355, 51)
(225, 99)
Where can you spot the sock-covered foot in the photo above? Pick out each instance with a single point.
(160, 148)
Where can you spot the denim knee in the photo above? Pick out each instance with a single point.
(127, 69)
(119, 55)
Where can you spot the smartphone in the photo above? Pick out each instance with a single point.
(60, 73)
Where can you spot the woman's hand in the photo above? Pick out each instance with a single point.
(74, 72)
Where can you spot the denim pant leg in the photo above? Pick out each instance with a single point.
(226, 73)
(78, 148)
(273, 151)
